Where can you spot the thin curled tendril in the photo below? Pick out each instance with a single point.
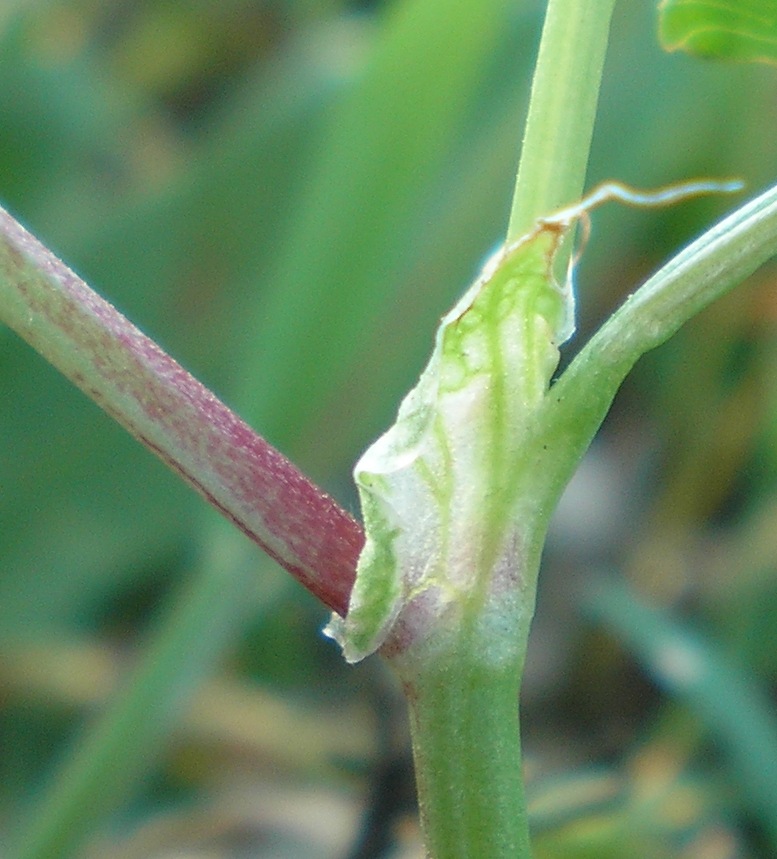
(611, 191)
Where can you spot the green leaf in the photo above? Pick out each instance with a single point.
(744, 30)
(727, 698)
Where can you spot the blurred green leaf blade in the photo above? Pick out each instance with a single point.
(743, 30)
(386, 143)
(730, 702)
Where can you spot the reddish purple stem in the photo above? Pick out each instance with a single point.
(178, 418)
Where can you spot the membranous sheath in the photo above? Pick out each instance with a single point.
(443, 490)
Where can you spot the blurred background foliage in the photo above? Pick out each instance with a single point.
(287, 194)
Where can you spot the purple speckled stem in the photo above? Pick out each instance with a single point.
(175, 416)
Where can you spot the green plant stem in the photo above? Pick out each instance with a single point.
(464, 709)
(466, 745)
(562, 110)
(462, 682)
(460, 750)
(707, 269)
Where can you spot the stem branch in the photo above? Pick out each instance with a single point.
(562, 110)
(176, 417)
